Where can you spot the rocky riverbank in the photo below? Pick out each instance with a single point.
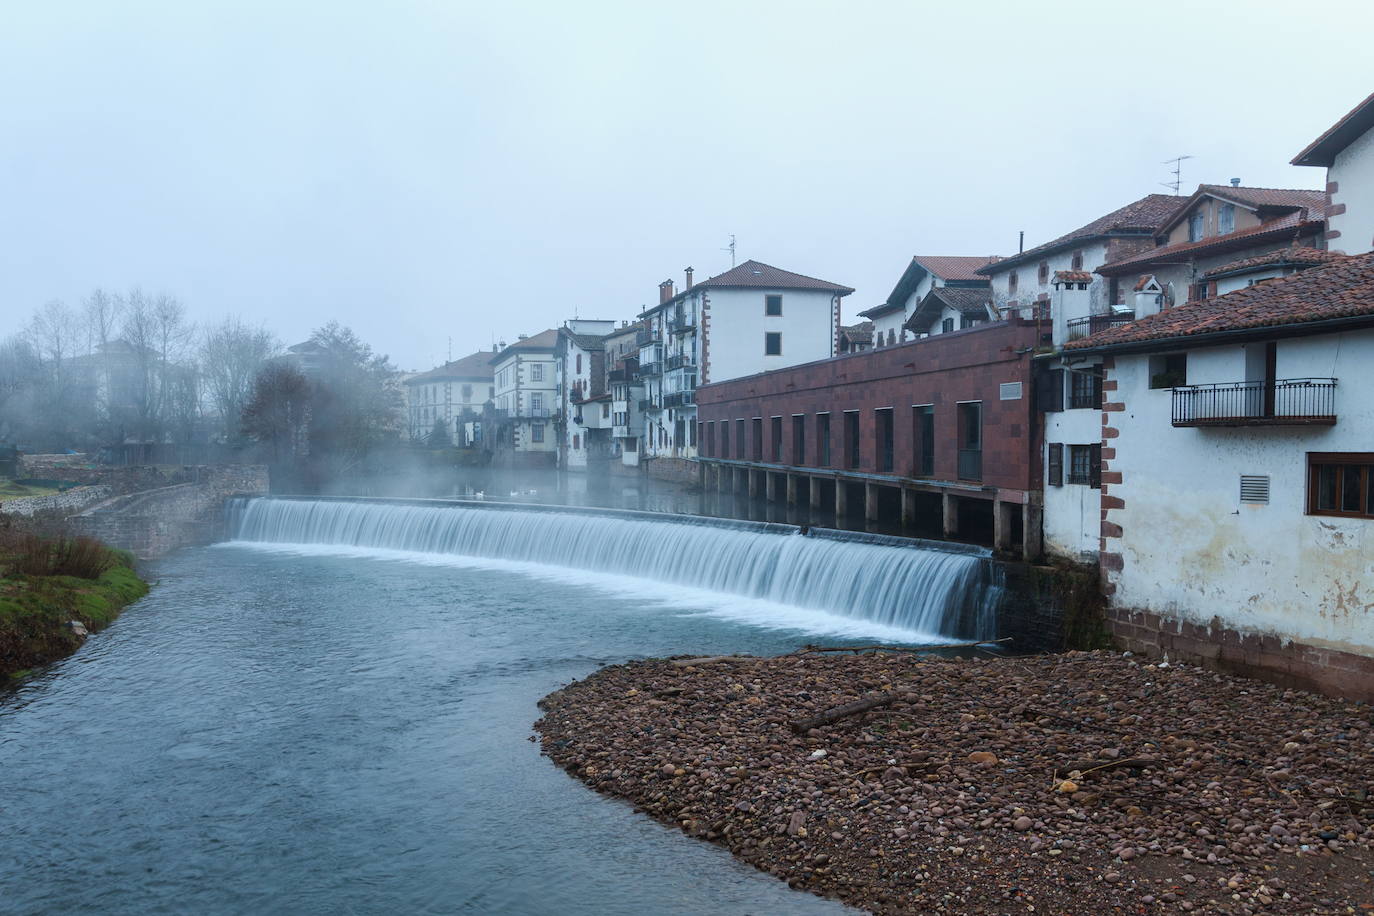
(1079, 783)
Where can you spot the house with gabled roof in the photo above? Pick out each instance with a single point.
(453, 393)
(924, 274)
(1346, 151)
(1237, 478)
(750, 319)
(584, 399)
(522, 419)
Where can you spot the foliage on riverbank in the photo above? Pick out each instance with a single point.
(48, 583)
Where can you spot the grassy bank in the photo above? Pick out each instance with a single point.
(45, 584)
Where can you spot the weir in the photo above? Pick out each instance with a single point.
(913, 586)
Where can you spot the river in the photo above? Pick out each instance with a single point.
(343, 726)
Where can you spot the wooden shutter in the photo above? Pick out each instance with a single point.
(1095, 465)
(1097, 388)
(1049, 391)
(1056, 463)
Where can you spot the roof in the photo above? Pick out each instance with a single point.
(1072, 276)
(756, 275)
(970, 302)
(1251, 199)
(882, 308)
(473, 366)
(861, 332)
(1323, 150)
(588, 341)
(544, 340)
(1141, 217)
(1290, 225)
(1342, 288)
(1297, 256)
(953, 267)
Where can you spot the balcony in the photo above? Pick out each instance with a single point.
(650, 404)
(1283, 402)
(645, 336)
(530, 413)
(649, 369)
(684, 325)
(620, 375)
(1079, 328)
(679, 361)
(679, 399)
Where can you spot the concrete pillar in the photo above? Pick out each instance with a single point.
(725, 478)
(951, 507)
(791, 491)
(1032, 544)
(908, 507)
(770, 486)
(813, 487)
(871, 495)
(1001, 525)
(841, 500)
(753, 483)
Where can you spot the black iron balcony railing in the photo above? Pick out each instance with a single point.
(678, 361)
(645, 336)
(679, 399)
(648, 369)
(1082, 327)
(684, 325)
(970, 464)
(650, 404)
(620, 375)
(1283, 402)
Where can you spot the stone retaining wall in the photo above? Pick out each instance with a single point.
(74, 500)
(673, 470)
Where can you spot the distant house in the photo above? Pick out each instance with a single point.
(945, 309)
(1237, 477)
(454, 393)
(750, 319)
(626, 388)
(922, 276)
(855, 338)
(585, 402)
(1346, 150)
(526, 402)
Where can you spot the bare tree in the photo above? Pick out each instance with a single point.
(278, 413)
(55, 335)
(231, 354)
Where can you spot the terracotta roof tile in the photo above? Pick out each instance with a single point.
(1343, 287)
(1072, 276)
(1298, 256)
(1142, 216)
(757, 274)
(954, 267)
(1289, 225)
(544, 340)
(858, 333)
(1322, 151)
(1268, 197)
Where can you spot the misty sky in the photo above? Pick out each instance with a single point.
(426, 170)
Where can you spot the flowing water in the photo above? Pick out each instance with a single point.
(340, 723)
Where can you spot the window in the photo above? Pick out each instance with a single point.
(851, 438)
(710, 437)
(1195, 226)
(1085, 388)
(1055, 464)
(605, 410)
(1042, 273)
(971, 440)
(739, 439)
(536, 402)
(536, 432)
(891, 337)
(776, 430)
(823, 439)
(883, 436)
(966, 321)
(467, 394)
(1085, 465)
(1011, 283)
(772, 344)
(1340, 483)
(1077, 262)
(577, 442)
(579, 364)
(537, 372)
(1049, 391)
(799, 438)
(772, 305)
(725, 438)
(947, 326)
(923, 419)
(1169, 370)
(758, 438)
(1226, 219)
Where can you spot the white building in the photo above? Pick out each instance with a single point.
(526, 401)
(924, 274)
(1346, 150)
(585, 404)
(1237, 500)
(621, 349)
(753, 318)
(453, 393)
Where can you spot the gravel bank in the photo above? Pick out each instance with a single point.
(1079, 783)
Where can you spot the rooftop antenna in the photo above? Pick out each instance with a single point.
(450, 348)
(731, 249)
(1177, 162)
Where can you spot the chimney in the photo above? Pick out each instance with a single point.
(689, 278)
(665, 291)
(1235, 182)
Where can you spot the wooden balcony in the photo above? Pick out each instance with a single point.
(1282, 402)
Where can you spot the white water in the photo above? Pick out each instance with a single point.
(752, 573)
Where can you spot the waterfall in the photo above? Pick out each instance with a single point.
(925, 590)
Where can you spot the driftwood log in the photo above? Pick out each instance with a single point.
(951, 645)
(835, 714)
(1084, 767)
(712, 659)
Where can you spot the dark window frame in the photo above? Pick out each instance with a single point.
(772, 343)
(757, 437)
(775, 433)
(1343, 466)
(798, 439)
(852, 432)
(923, 438)
(769, 300)
(1085, 389)
(823, 439)
(1055, 464)
(884, 438)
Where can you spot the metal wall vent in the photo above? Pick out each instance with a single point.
(1254, 488)
(1011, 391)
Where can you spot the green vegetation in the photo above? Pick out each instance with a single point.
(45, 584)
(13, 489)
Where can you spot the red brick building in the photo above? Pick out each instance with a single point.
(943, 430)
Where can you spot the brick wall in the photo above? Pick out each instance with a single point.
(941, 370)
